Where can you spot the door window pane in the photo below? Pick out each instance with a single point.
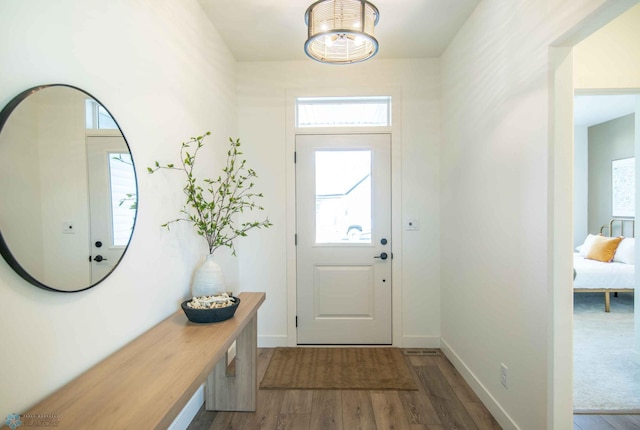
(343, 196)
(123, 197)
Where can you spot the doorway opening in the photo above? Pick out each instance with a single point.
(605, 374)
(350, 205)
(563, 89)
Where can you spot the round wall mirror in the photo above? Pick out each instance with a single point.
(68, 188)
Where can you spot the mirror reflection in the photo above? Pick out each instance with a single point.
(67, 186)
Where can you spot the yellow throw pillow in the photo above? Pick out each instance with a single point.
(604, 248)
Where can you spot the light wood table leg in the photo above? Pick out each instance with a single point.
(238, 391)
(607, 301)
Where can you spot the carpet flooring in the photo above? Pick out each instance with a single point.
(606, 368)
(338, 369)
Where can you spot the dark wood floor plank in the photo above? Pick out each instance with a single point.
(388, 411)
(420, 360)
(455, 380)
(297, 402)
(222, 421)
(357, 411)
(296, 410)
(293, 421)
(326, 410)
(606, 422)
(590, 422)
(417, 405)
(202, 420)
(239, 420)
(264, 357)
(481, 416)
(623, 422)
(267, 411)
(418, 408)
(450, 410)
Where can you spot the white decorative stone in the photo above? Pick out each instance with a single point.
(208, 279)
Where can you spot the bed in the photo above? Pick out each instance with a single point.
(591, 276)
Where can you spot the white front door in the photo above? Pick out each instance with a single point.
(111, 182)
(343, 212)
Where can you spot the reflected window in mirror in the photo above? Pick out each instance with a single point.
(122, 179)
(68, 187)
(97, 117)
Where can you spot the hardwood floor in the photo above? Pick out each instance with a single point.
(444, 401)
(606, 422)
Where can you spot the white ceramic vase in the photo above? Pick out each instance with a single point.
(208, 279)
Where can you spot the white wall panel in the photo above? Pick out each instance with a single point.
(165, 75)
(497, 209)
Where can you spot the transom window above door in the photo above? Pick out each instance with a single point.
(374, 111)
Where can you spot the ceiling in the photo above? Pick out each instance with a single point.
(274, 30)
(589, 110)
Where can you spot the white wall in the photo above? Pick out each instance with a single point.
(262, 116)
(496, 288)
(580, 184)
(165, 75)
(608, 59)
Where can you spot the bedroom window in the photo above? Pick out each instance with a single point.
(343, 111)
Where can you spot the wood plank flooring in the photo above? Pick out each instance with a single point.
(606, 422)
(444, 401)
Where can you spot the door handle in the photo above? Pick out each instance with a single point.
(99, 258)
(382, 256)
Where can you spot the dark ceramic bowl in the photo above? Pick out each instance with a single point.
(210, 315)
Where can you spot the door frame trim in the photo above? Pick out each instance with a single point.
(396, 193)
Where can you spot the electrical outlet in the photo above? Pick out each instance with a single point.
(504, 373)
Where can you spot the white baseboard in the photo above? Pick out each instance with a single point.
(485, 396)
(189, 412)
(272, 341)
(412, 341)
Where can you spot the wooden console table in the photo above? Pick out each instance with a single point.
(146, 384)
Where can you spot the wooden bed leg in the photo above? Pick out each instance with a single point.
(607, 301)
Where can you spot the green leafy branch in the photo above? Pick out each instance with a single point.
(213, 206)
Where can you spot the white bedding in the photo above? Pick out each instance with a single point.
(596, 274)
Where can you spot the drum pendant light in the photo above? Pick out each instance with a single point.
(341, 31)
